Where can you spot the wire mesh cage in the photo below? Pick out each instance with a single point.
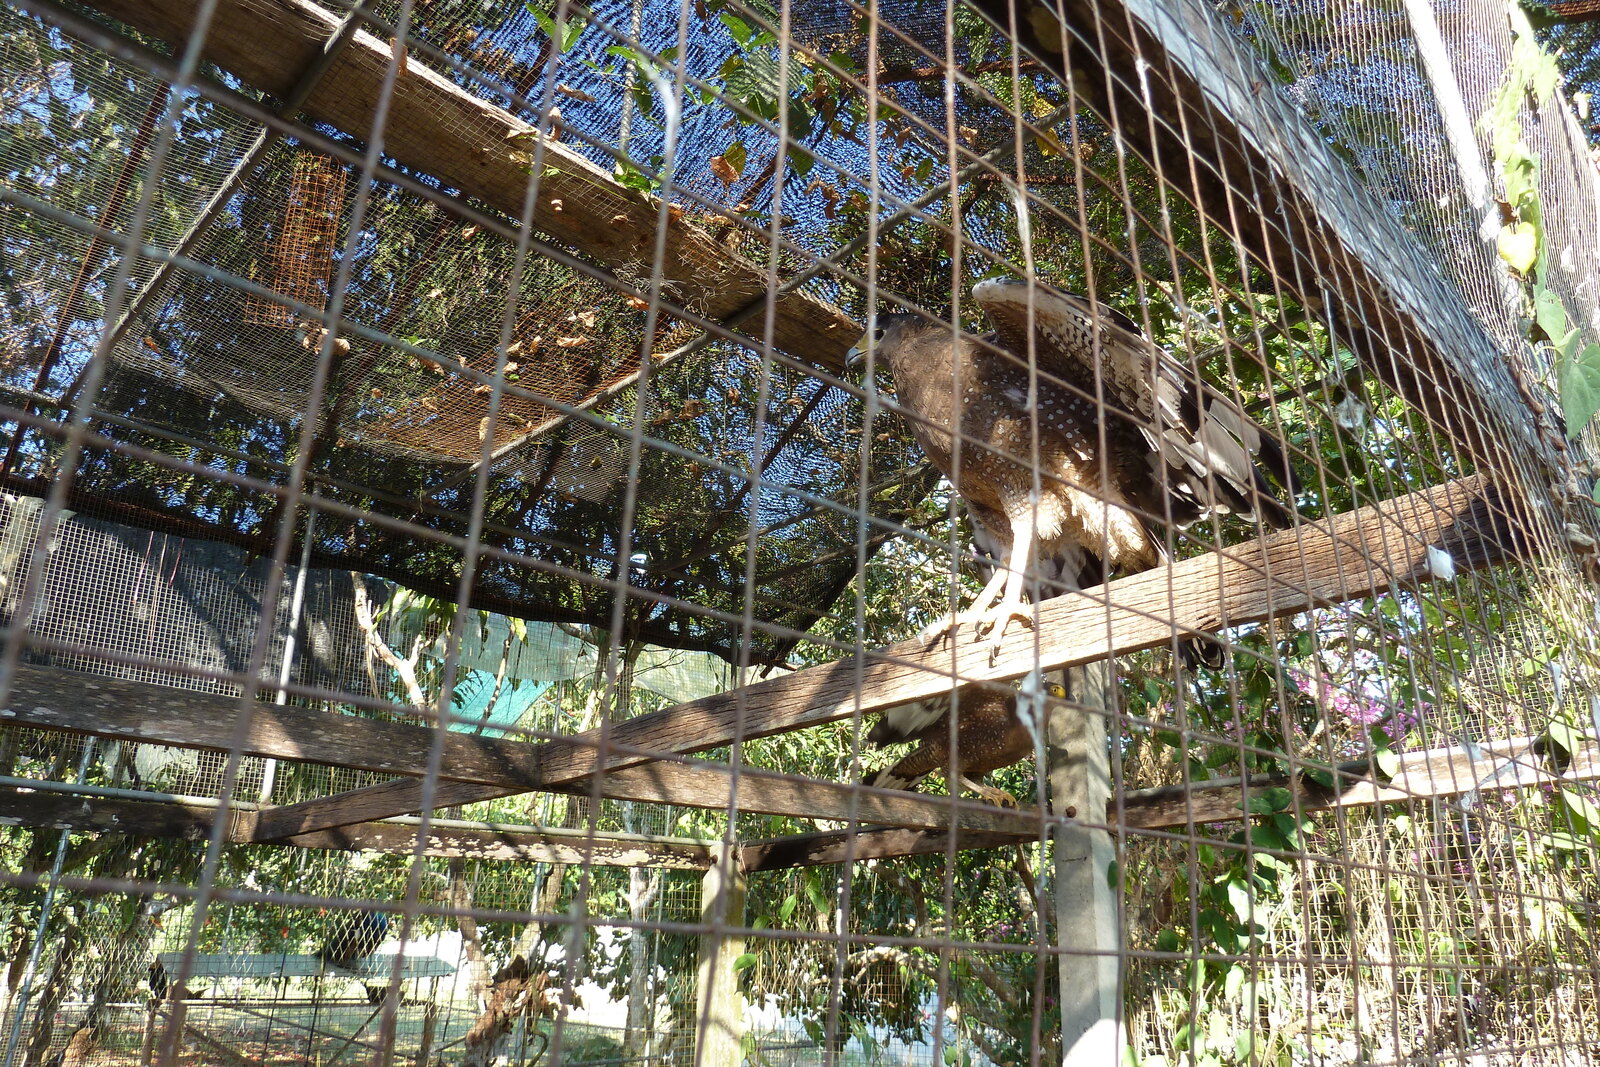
(717, 532)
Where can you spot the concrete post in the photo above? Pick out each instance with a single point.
(1088, 926)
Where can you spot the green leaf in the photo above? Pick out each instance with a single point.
(1168, 940)
(736, 156)
(755, 82)
(1518, 245)
(1279, 797)
(543, 19)
(1232, 982)
(1546, 75)
(1549, 313)
(1322, 777)
(744, 962)
(1521, 170)
(1268, 801)
(1566, 842)
(574, 29)
(1240, 901)
(738, 27)
(1583, 812)
(1564, 734)
(1388, 763)
(1580, 388)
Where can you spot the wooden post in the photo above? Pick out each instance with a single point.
(719, 1009)
(430, 1019)
(1088, 926)
(147, 1047)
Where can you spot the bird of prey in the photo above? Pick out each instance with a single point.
(993, 730)
(354, 939)
(1150, 451)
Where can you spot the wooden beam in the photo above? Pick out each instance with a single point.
(125, 710)
(1352, 555)
(1450, 770)
(719, 1006)
(439, 128)
(193, 822)
(1512, 763)
(834, 846)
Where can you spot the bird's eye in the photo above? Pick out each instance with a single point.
(877, 334)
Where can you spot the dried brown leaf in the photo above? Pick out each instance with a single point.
(723, 170)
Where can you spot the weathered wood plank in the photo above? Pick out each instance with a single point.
(704, 786)
(169, 818)
(473, 767)
(113, 815)
(833, 846)
(437, 127)
(1437, 772)
(1506, 764)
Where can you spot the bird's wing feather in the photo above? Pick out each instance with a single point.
(1214, 450)
(907, 721)
(1134, 374)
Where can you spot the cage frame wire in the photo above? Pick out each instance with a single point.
(1485, 527)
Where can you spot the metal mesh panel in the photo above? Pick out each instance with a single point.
(459, 588)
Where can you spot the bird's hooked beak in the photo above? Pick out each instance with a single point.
(855, 360)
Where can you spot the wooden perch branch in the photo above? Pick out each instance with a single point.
(140, 712)
(439, 128)
(445, 838)
(1434, 772)
(1357, 554)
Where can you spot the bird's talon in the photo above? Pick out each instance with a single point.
(1000, 798)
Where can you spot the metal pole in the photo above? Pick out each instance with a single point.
(269, 769)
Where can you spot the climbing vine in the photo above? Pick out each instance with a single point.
(1533, 76)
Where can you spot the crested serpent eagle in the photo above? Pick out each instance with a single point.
(1152, 451)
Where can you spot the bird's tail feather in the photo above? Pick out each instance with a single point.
(1229, 458)
(1201, 651)
(888, 779)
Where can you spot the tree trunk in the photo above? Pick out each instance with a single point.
(19, 939)
(68, 942)
(515, 992)
(471, 943)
